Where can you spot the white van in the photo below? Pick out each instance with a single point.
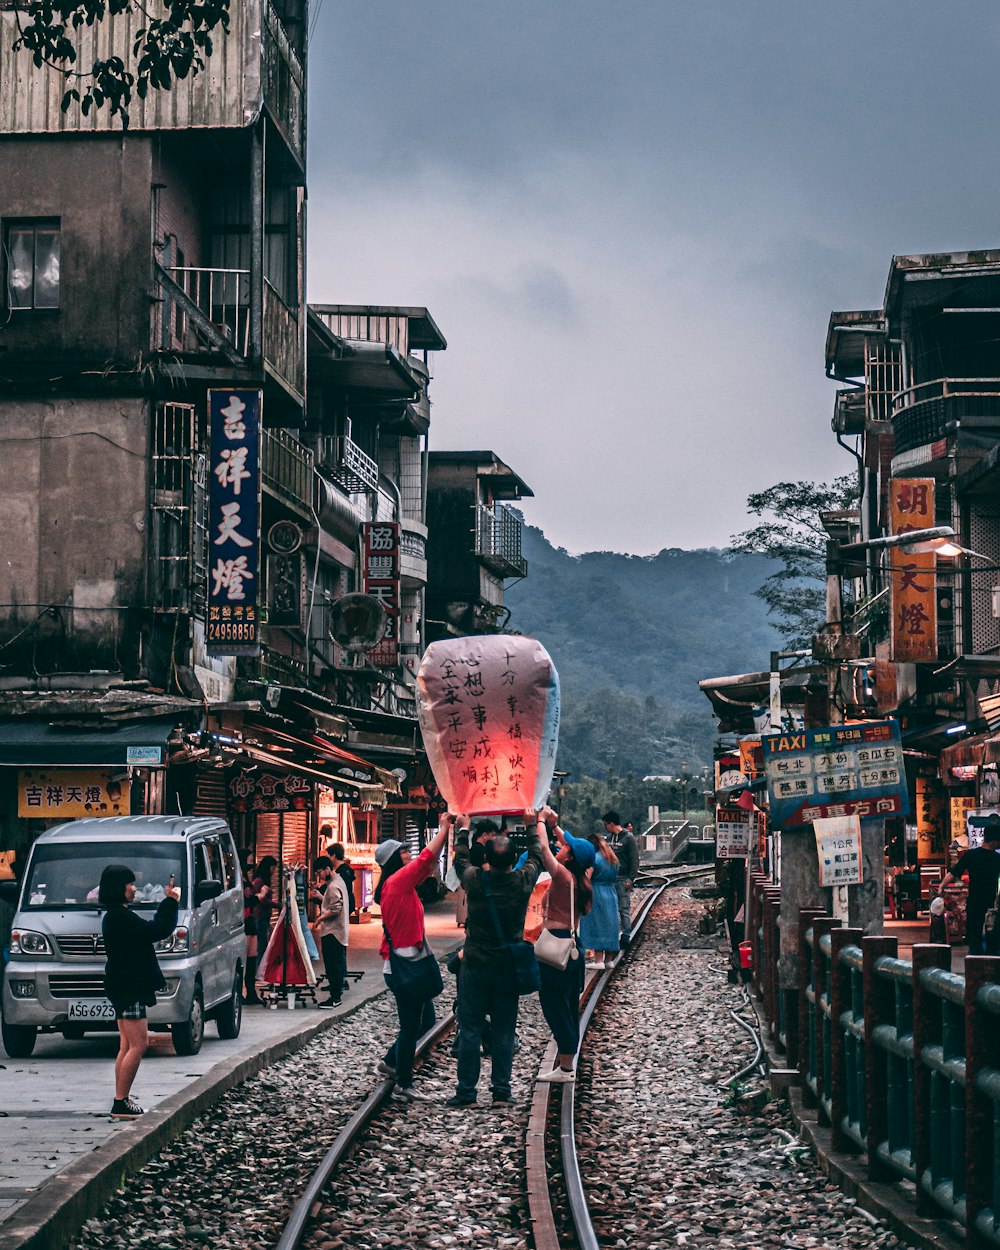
(54, 981)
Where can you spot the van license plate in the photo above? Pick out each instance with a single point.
(90, 1009)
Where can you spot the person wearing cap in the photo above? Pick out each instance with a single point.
(569, 897)
(403, 925)
(982, 864)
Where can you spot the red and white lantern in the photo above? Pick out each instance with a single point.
(488, 707)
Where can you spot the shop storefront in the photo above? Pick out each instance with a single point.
(49, 774)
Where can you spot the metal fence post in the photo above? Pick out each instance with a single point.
(807, 921)
(751, 934)
(797, 1048)
(926, 1032)
(840, 1001)
(772, 950)
(821, 927)
(980, 1030)
(880, 1008)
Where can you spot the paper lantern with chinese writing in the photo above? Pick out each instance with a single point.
(489, 712)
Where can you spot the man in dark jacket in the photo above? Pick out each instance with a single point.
(487, 986)
(627, 849)
(982, 863)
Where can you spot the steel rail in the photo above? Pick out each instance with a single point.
(295, 1227)
(298, 1220)
(572, 1178)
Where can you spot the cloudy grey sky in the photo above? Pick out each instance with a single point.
(631, 221)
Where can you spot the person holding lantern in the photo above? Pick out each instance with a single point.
(403, 924)
(498, 895)
(568, 899)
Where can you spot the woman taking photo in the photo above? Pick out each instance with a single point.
(132, 975)
(568, 898)
(403, 927)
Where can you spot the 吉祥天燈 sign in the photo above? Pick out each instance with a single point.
(233, 625)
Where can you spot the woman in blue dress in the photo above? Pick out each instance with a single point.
(599, 927)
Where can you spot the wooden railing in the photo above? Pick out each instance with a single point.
(900, 1058)
(283, 341)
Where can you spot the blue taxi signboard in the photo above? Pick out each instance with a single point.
(839, 770)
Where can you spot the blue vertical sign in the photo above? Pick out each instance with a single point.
(233, 625)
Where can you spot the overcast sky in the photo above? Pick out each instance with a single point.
(631, 222)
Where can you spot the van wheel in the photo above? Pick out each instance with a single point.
(18, 1039)
(229, 1016)
(188, 1037)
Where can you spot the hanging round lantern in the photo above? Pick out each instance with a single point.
(488, 707)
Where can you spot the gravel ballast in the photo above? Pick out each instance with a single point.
(666, 1162)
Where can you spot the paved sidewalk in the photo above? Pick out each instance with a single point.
(54, 1106)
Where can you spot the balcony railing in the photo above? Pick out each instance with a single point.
(283, 80)
(287, 470)
(205, 310)
(350, 467)
(498, 541)
(283, 340)
(922, 413)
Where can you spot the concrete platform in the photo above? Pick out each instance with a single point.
(59, 1148)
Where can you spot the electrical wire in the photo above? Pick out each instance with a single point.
(40, 438)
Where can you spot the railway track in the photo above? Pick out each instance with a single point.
(663, 1156)
(550, 1158)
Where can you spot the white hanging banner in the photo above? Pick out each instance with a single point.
(838, 842)
(488, 707)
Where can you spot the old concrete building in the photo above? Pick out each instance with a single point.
(145, 270)
(474, 542)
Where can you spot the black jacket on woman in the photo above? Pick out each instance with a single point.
(132, 974)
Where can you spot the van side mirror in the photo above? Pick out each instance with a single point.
(9, 890)
(205, 890)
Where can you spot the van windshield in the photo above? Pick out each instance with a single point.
(66, 874)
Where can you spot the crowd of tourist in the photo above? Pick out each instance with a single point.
(497, 966)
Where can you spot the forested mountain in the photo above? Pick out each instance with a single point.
(631, 637)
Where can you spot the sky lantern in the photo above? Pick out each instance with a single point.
(489, 713)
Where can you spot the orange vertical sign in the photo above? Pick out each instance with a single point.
(914, 600)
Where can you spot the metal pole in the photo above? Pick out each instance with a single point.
(257, 227)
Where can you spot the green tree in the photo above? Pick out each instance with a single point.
(173, 42)
(792, 533)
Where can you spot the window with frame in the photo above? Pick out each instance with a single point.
(32, 256)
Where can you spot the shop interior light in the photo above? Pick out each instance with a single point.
(956, 729)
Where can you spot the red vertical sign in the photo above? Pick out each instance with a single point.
(914, 598)
(381, 580)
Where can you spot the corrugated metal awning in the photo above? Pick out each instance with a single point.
(36, 744)
(971, 752)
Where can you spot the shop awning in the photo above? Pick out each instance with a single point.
(971, 752)
(317, 752)
(38, 744)
(356, 793)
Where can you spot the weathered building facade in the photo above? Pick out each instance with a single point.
(474, 542)
(144, 271)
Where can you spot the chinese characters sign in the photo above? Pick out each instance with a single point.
(838, 842)
(843, 770)
(70, 793)
(732, 833)
(914, 600)
(381, 579)
(233, 626)
(489, 714)
(270, 792)
(959, 807)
